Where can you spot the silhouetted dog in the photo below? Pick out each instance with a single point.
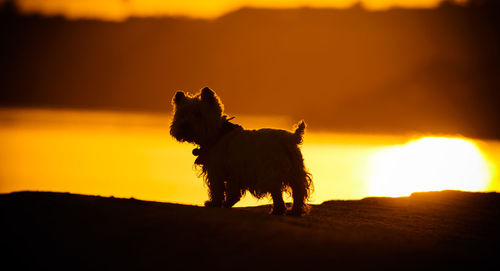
(234, 160)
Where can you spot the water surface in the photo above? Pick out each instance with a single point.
(132, 155)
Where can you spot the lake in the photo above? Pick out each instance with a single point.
(127, 154)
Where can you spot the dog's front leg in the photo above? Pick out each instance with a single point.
(233, 195)
(279, 207)
(216, 193)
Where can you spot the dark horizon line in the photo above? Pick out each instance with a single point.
(412, 195)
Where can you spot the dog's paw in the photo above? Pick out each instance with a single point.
(299, 211)
(295, 213)
(228, 204)
(278, 211)
(213, 204)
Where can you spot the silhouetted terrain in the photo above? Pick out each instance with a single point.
(400, 70)
(427, 230)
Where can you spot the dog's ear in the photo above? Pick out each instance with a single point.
(208, 95)
(179, 97)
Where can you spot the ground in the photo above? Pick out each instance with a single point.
(434, 230)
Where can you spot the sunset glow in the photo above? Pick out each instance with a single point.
(429, 164)
(117, 10)
(133, 155)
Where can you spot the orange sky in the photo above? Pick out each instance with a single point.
(435, 69)
(117, 10)
(419, 71)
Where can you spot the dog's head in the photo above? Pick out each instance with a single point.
(197, 118)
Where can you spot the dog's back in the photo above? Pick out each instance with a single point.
(263, 160)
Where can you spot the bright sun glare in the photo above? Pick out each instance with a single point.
(428, 164)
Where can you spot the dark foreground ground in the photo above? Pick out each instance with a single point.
(433, 230)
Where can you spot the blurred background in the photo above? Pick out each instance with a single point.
(385, 87)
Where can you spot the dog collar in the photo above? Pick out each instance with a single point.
(226, 128)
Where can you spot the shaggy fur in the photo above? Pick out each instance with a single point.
(234, 160)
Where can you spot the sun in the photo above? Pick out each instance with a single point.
(428, 164)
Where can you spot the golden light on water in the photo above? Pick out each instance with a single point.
(429, 164)
(133, 155)
(117, 10)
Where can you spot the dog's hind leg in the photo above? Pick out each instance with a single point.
(299, 194)
(300, 182)
(279, 207)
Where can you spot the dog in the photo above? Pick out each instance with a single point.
(234, 160)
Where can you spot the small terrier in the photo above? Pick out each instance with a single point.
(234, 160)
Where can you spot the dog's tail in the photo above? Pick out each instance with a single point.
(299, 132)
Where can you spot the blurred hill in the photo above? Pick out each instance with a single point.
(394, 71)
(426, 230)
